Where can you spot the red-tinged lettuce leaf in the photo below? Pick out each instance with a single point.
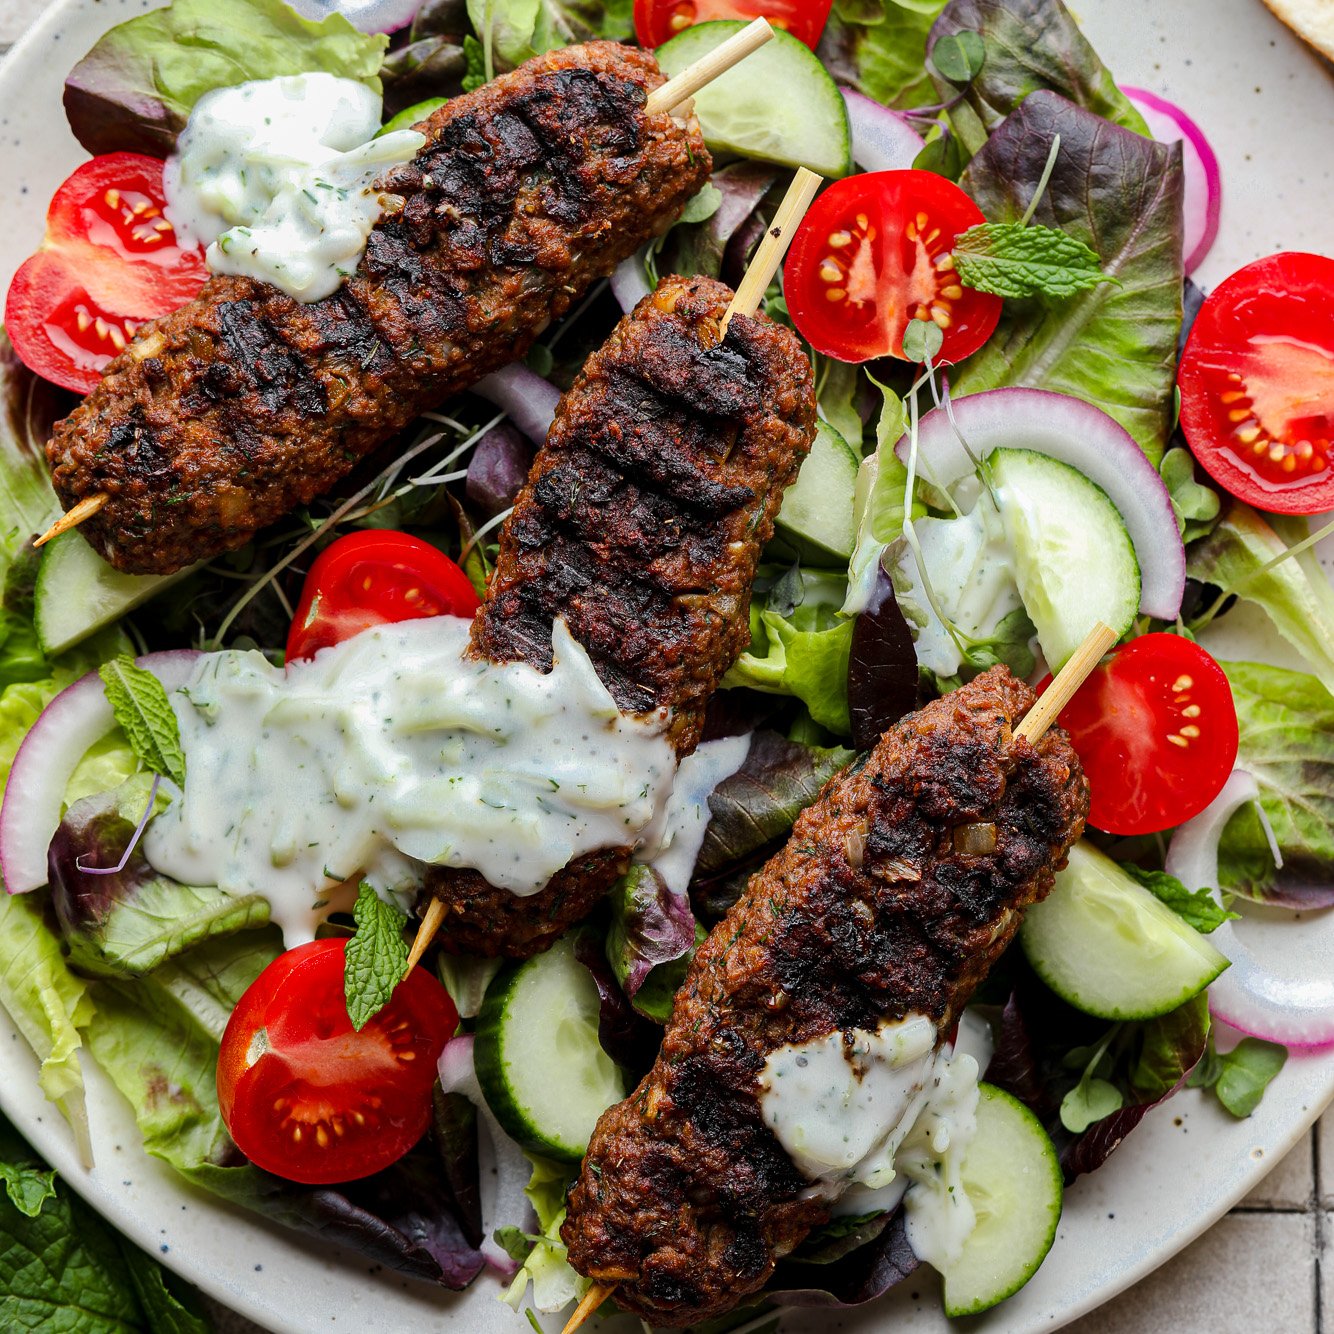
(700, 247)
(1043, 1046)
(878, 47)
(130, 921)
(759, 802)
(1121, 194)
(649, 926)
(861, 1276)
(133, 92)
(625, 1035)
(1030, 45)
(882, 667)
(498, 469)
(454, 1122)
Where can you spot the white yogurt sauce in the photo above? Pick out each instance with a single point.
(867, 1116)
(275, 176)
(391, 750)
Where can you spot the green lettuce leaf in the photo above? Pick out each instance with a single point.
(1114, 345)
(512, 31)
(1286, 724)
(801, 650)
(554, 1281)
(1030, 45)
(1239, 1077)
(1295, 594)
(135, 89)
(29, 408)
(879, 48)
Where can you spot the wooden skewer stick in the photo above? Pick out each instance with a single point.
(1057, 695)
(769, 255)
(708, 67)
(589, 1303)
(72, 518)
(430, 924)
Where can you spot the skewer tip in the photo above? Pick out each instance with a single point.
(73, 517)
(589, 1303)
(670, 95)
(1067, 681)
(426, 932)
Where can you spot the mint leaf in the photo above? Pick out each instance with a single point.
(1239, 1077)
(1197, 908)
(1010, 259)
(145, 715)
(376, 957)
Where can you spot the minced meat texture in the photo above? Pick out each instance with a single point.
(228, 413)
(641, 525)
(869, 914)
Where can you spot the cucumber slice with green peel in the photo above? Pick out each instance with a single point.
(1074, 561)
(77, 592)
(779, 104)
(1013, 1180)
(1105, 944)
(818, 506)
(539, 1063)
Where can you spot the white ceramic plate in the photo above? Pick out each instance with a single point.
(1266, 102)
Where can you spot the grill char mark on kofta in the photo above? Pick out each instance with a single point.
(686, 1198)
(252, 403)
(641, 525)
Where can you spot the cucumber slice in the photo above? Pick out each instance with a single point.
(778, 104)
(539, 1063)
(818, 506)
(1103, 942)
(77, 592)
(411, 116)
(1074, 561)
(1013, 1180)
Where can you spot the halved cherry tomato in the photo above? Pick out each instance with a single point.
(1257, 384)
(372, 578)
(1156, 730)
(307, 1097)
(872, 253)
(110, 260)
(657, 20)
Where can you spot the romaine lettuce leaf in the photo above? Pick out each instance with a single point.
(1030, 45)
(1286, 722)
(1295, 593)
(1114, 345)
(512, 31)
(135, 89)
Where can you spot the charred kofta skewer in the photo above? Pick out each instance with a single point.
(224, 415)
(897, 891)
(641, 525)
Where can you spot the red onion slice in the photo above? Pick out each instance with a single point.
(1086, 438)
(364, 15)
(76, 719)
(523, 396)
(881, 139)
(1204, 187)
(1267, 992)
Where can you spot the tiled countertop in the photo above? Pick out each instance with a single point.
(1268, 1266)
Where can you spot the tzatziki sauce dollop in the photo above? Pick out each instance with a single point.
(870, 1116)
(276, 177)
(392, 750)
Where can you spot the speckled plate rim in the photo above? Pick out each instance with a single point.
(1156, 1195)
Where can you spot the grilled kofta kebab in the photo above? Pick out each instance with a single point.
(224, 415)
(897, 891)
(641, 525)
